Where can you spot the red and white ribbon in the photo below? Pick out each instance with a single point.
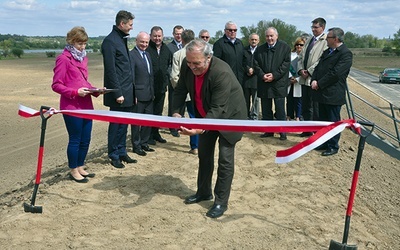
(325, 130)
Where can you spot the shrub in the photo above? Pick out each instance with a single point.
(17, 52)
(50, 53)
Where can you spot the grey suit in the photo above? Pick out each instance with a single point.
(222, 98)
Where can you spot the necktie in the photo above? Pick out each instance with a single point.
(180, 46)
(310, 45)
(146, 61)
(331, 50)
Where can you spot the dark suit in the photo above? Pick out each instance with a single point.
(250, 86)
(118, 74)
(331, 75)
(222, 98)
(275, 60)
(161, 63)
(144, 88)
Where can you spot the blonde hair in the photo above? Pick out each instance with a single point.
(77, 34)
(298, 40)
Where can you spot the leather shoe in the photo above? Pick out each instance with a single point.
(175, 133)
(91, 175)
(84, 180)
(216, 211)
(117, 164)
(197, 198)
(160, 139)
(139, 151)
(329, 151)
(265, 135)
(283, 137)
(148, 149)
(127, 159)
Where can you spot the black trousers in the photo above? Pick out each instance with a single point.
(309, 108)
(267, 112)
(158, 107)
(225, 171)
(141, 134)
(330, 113)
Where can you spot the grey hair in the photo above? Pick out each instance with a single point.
(229, 23)
(200, 45)
(203, 31)
(272, 28)
(337, 32)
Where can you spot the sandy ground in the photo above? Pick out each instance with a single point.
(299, 205)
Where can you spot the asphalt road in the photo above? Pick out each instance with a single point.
(387, 91)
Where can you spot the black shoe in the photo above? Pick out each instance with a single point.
(160, 139)
(329, 151)
(117, 164)
(84, 180)
(282, 137)
(197, 198)
(147, 149)
(216, 211)
(306, 134)
(151, 142)
(127, 159)
(174, 133)
(139, 151)
(265, 135)
(91, 175)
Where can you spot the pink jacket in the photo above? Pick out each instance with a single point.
(69, 76)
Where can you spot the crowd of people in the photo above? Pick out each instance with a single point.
(224, 80)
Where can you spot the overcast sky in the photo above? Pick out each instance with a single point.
(57, 17)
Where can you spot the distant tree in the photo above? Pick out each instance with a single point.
(17, 52)
(396, 42)
(50, 53)
(287, 32)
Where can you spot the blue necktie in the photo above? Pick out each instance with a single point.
(146, 61)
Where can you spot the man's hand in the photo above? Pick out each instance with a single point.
(120, 99)
(190, 132)
(314, 85)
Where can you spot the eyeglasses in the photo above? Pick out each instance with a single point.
(299, 44)
(315, 27)
(231, 30)
(205, 37)
(330, 37)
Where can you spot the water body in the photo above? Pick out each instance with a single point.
(27, 51)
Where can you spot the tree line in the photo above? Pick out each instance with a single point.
(15, 44)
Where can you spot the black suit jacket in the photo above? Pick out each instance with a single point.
(279, 68)
(232, 54)
(144, 81)
(222, 94)
(118, 73)
(331, 75)
(249, 81)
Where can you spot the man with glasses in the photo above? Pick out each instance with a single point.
(231, 50)
(205, 35)
(308, 60)
(328, 84)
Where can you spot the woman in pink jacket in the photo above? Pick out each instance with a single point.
(70, 80)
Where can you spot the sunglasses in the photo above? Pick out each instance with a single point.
(205, 37)
(299, 44)
(231, 30)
